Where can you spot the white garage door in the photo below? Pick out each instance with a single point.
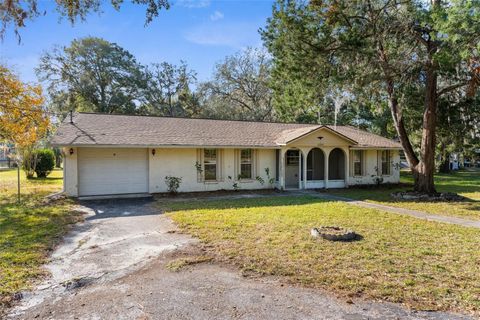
(112, 171)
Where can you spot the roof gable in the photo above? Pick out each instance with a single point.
(320, 135)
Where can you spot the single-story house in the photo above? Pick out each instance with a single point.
(124, 154)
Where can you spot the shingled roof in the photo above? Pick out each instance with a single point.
(90, 129)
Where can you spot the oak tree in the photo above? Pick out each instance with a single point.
(385, 47)
(240, 87)
(92, 74)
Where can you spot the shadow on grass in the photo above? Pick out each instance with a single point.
(43, 180)
(285, 199)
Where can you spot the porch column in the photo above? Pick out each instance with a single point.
(327, 153)
(347, 165)
(281, 179)
(304, 152)
(300, 161)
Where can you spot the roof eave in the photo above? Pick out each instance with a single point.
(374, 148)
(61, 145)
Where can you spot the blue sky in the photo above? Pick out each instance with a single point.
(201, 32)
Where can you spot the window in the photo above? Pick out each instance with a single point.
(358, 163)
(386, 162)
(293, 158)
(210, 164)
(246, 163)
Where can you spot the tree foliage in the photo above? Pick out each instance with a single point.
(458, 127)
(168, 90)
(16, 13)
(22, 119)
(240, 88)
(92, 74)
(408, 53)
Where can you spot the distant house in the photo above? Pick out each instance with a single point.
(5, 151)
(121, 154)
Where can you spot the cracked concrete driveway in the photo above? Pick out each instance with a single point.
(113, 266)
(117, 238)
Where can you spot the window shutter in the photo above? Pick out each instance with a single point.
(379, 163)
(352, 154)
(236, 169)
(277, 165)
(254, 163)
(389, 161)
(364, 163)
(199, 164)
(219, 164)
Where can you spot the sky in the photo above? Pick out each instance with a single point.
(200, 32)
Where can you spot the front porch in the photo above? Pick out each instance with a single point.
(313, 168)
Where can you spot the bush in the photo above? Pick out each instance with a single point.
(45, 162)
(173, 183)
(29, 161)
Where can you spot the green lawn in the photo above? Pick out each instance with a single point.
(28, 230)
(425, 265)
(465, 183)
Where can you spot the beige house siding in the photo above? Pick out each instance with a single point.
(371, 168)
(70, 172)
(180, 162)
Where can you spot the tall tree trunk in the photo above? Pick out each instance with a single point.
(400, 125)
(396, 111)
(425, 169)
(422, 169)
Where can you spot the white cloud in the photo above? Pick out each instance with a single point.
(193, 4)
(237, 35)
(217, 15)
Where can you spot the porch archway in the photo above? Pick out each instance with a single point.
(315, 165)
(336, 164)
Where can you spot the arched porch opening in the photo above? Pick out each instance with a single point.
(315, 165)
(336, 164)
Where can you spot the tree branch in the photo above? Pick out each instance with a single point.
(451, 88)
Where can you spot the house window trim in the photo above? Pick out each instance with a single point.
(287, 157)
(362, 164)
(253, 163)
(218, 164)
(389, 161)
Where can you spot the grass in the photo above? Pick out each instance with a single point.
(465, 183)
(425, 265)
(28, 229)
(181, 263)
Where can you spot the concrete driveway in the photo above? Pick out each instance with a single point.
(113, 266)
